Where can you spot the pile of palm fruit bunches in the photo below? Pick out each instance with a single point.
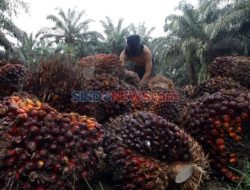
(11, 74)
(172, 139)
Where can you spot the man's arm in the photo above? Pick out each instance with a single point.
(123, 57)
(148, 66)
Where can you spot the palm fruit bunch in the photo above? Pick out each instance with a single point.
(215, 85)
(236, 67)
(133, 171)
(160, 98)
(41, 148)
(132, 79)
(54, 80)
(153, 89)
(161, 82)
(104, 64)
(187, 91)
(158, 82)
(168, 104)
(141, 139)
(11, 76)
(217, 121)
(111, 102)
(162, 102)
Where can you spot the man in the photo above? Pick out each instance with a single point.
(140, 56)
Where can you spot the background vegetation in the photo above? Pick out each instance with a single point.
(193, 38)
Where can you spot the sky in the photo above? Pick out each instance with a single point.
(153, 12)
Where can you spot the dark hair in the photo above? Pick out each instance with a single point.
(134, 46)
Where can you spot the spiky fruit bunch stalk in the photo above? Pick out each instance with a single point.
(151, 135)
(217, 121)
(54, 80)
(158, 82)
(187, 91)
(10, 78)
(237, 67)
(111, 103)
(104, 63)
(131, 78)
(215, 85)
(44, 149)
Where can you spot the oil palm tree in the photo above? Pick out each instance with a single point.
(115, 35)
(187, 38)
(200, 34)
(9, 29)
(143, 32)
(69, 28)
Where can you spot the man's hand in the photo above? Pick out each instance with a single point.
(142, 83)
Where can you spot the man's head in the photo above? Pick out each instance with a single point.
(133, 46)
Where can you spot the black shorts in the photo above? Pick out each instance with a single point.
(140, 70)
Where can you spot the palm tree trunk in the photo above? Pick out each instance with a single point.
(193, 76)
(245, 45)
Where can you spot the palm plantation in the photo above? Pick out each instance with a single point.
(212, 121)
(193, 38)
(198, 35)
(115, 35)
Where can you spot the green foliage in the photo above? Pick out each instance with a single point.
(13, 6)
(198, 35)
(70, 34)
(245, 183)
(143, 32)
(115, 35)
(8, 29)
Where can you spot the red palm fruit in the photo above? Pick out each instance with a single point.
(220, 142)
(226, 118)
(238, 119)
(222, 147)
(233, 160)
(226, 125)
(215, 132)
(233, 134)
(233, 155)
(22, 117)
(229, 174)
(217, 124)
(244, 116)
(40, 164)
(238, 138)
